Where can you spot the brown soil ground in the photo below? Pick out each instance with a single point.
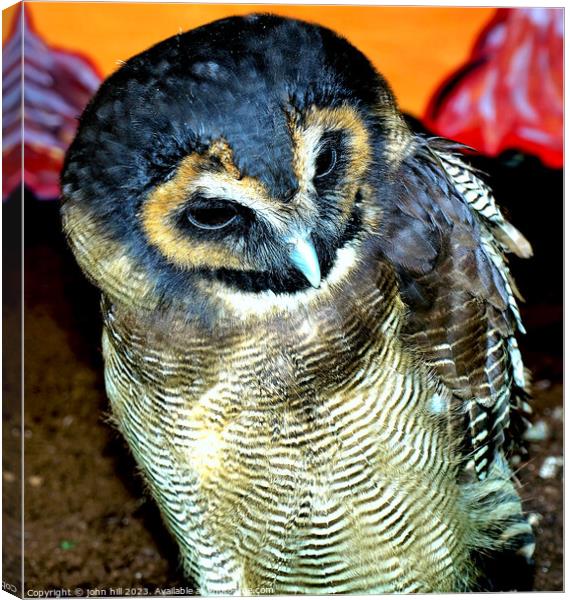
(88, 523)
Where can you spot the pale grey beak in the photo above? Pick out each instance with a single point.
(303, 255)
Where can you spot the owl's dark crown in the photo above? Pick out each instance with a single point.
(186, 147)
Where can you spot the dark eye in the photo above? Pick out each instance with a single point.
(326, 161)
(213, 215)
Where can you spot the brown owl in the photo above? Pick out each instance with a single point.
(309, 323)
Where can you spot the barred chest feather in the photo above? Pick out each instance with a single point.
(304, 452)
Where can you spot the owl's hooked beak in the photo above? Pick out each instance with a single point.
(304, 256)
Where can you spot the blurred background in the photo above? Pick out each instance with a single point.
(490, 78)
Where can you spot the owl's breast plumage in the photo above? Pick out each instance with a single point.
(304, 454)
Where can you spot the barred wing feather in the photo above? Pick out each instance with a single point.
(447, 240)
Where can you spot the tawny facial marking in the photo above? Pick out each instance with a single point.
(219, 179)
(307, 133)
(158, 221)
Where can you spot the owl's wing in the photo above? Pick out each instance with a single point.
(447, 240)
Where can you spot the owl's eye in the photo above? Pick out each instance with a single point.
(326, 161)
(216, 214)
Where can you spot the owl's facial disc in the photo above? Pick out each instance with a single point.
(212, 217)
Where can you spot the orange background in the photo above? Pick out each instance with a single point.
(414, 47)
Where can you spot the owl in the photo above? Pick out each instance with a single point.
(308, 318)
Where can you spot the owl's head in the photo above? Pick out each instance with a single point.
(247, 156)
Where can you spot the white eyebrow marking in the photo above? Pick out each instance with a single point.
(213, 185)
